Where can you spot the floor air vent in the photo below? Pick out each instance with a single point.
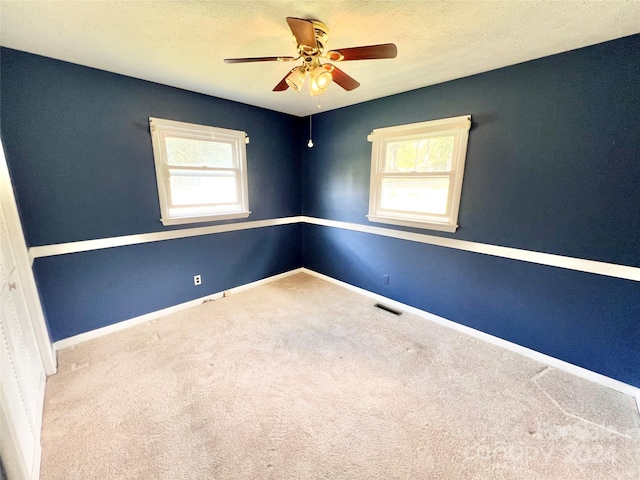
(388, 309)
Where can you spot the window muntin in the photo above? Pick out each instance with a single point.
(416, 173)
(201, 172)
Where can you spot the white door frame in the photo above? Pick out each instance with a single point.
(27, 279)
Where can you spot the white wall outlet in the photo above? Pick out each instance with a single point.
(197, 279)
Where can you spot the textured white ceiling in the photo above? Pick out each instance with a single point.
(183, 43)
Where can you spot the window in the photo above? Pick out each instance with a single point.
(201, 172)
(416, 173)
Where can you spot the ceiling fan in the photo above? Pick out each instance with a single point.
(310, 37)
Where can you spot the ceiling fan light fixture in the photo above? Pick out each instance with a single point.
(295, 79)
(310, 37)
(321, 78)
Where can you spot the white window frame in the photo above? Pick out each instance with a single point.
(160, 129)
(458, 127)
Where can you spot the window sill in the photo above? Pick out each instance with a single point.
(442, 227)
(208, 218)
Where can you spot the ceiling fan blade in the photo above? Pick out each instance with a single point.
(369, 52)
(342, 79)
(303, 31)
(259, 59)
(282, 86)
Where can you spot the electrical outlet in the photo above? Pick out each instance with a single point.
(197, 279)
(385, 279)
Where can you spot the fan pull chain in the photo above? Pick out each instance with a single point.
(310, 144)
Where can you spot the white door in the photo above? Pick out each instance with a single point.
(22, 375)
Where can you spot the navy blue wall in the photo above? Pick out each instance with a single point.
(88, 290)
(80, 156)
(553, 165)
(581, 318)
(553, 162)
(79, 150)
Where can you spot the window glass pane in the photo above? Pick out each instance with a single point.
(420, 155)
(415, 195)
(199, 153)
(193, 188)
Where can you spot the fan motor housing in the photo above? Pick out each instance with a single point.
(322, 34)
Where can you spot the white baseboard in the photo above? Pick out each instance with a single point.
(99, 332)
(264, 281)
(513, 347)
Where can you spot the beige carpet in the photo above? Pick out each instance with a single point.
(302, 379)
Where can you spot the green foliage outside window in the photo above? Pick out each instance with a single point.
(199, 153)
(425, 155)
